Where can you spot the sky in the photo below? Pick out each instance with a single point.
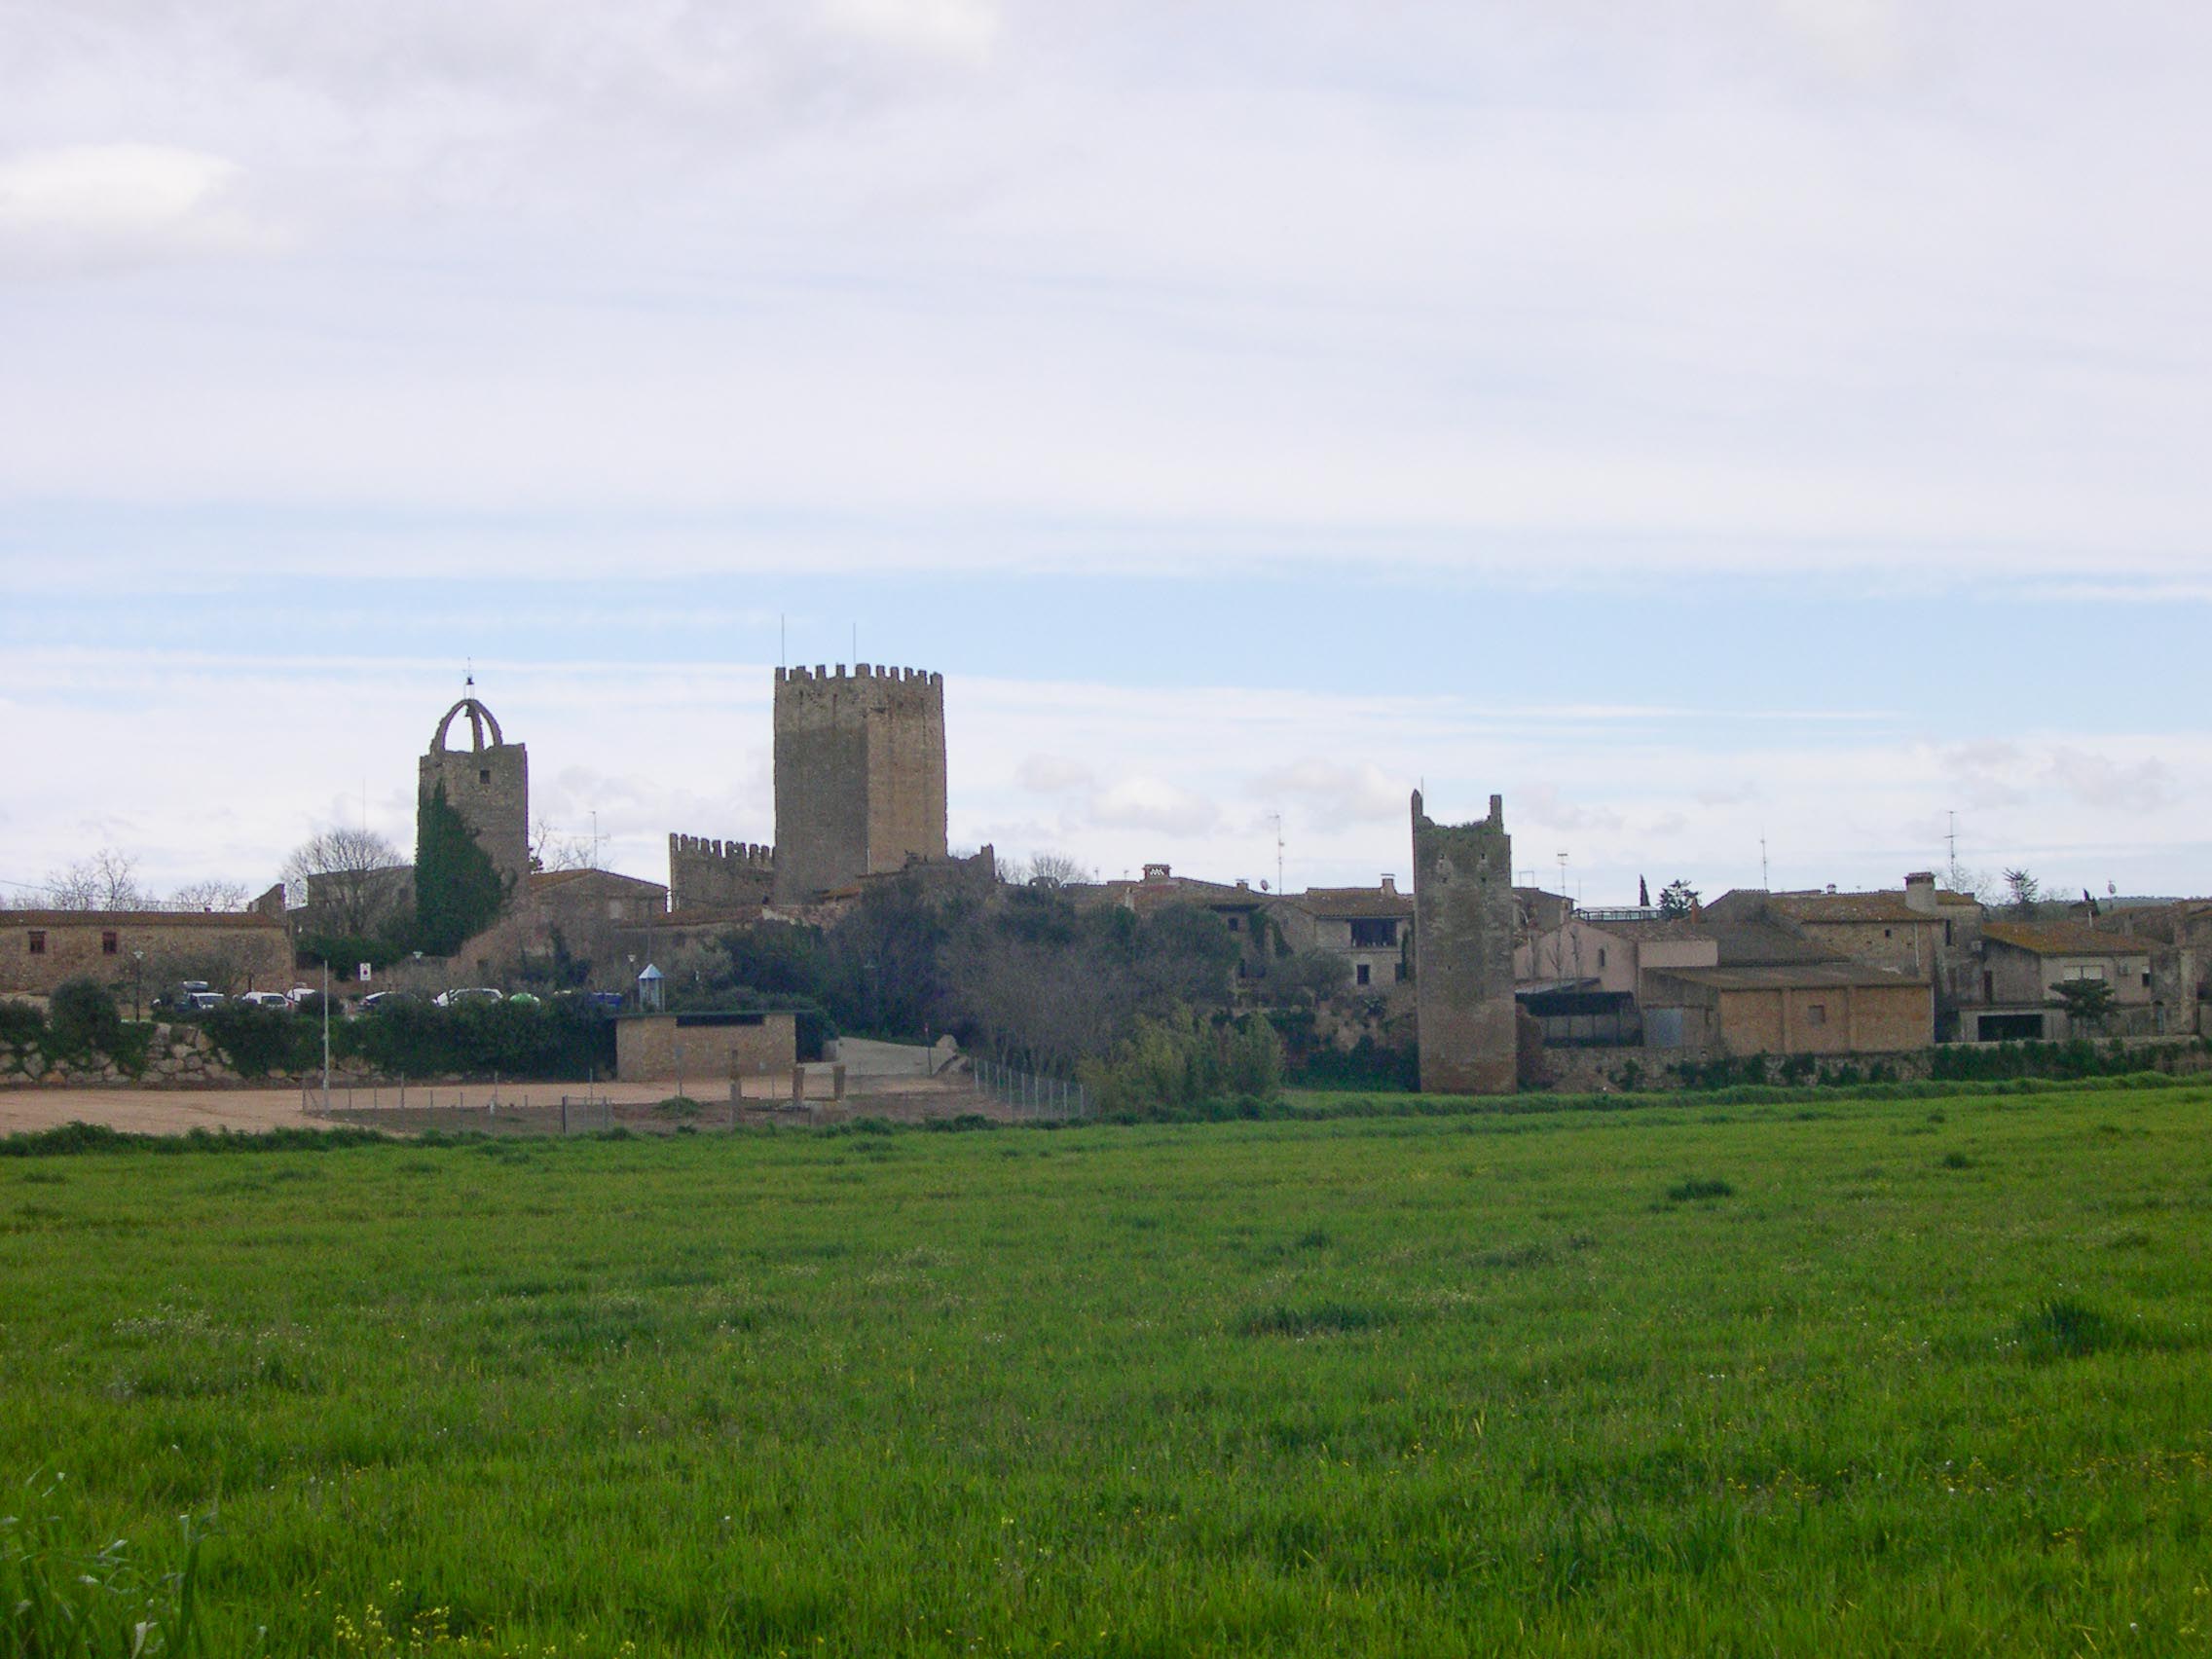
(1761, 439)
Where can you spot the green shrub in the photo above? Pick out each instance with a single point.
(21, 1024)
(1689, 1191)
(82, 1018)
(254, 1041)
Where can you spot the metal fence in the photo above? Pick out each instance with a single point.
(1029, 1095)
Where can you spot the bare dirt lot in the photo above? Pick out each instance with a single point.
(517, 1108)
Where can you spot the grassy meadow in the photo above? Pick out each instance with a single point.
(1846, 1377)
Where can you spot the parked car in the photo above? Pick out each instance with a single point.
(375, 999)
(199, 1002)
(299, 994)
(265, 999)
(459, 994)
(180, 999)
(522, 999)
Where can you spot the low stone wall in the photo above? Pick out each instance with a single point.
(1604, 1071)
(175, 1056)
(179, 1056)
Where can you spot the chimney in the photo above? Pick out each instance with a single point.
(1391, 885)
(1920, 892)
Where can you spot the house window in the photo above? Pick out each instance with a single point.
(1374, 933)
(1946, 933)
(1600, 956)
(38, 941)
(2145, 982)
(1362, 975)
(1886, 932)
(1401, 968)
(1235, 924)
(2086, 971)
(109, 943)
(1816, 1013)
(484, 776)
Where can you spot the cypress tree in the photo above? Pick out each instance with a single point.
(458, 891)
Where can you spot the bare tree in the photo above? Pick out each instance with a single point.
(215, 892)
(105, 881)
(355, 877)
(550, 849)
(1054, 869)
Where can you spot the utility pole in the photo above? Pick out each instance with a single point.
(326, 1032)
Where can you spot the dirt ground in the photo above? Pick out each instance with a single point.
(509, 1108)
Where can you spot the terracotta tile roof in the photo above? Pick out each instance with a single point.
(1756, 945)
(1181, 890)
(2061, 938)
(139, 919)
(544, 879)
(1790, 976)
(1658, 928)
(1815, 909)
(1354, 903)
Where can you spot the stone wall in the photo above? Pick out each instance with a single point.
(704, 1049)
(488, 784)
(146, 951)
(1463, 923)
(706, 874)
(860, 775)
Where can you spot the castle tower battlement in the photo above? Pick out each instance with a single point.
(707, 874)
(860, 775)
(488, 784)
(1463, 917)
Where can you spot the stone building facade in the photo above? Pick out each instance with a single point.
(143, 951)
(1827, 1009)
(488, 784)
(859, 776)
(1371, 928)
(707, 874)
(704, 1049)
(1463, 927)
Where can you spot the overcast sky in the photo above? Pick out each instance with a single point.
(1699, 421)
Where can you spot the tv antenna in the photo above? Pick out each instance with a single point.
(1277, 817)
(469, 678)
(1766, 881)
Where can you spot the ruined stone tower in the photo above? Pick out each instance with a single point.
(1464, 953)
(860, 775)
(488, 784)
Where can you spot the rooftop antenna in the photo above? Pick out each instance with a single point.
(1277, 815)
(469, 680)
(1766, 881)
(1951, 841)
(783, 641)
(1563, 874)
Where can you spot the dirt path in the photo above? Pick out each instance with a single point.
(153, 1111)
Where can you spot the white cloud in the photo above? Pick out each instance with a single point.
(953, 28)
(88, 207)
(1334, 792)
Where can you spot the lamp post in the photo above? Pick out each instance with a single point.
(137, 982)
(326, 1034)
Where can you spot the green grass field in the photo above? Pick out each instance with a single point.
(1856, 1377)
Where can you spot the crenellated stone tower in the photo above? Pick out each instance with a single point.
(488, 784)
(860, 775)
(1463, 954)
